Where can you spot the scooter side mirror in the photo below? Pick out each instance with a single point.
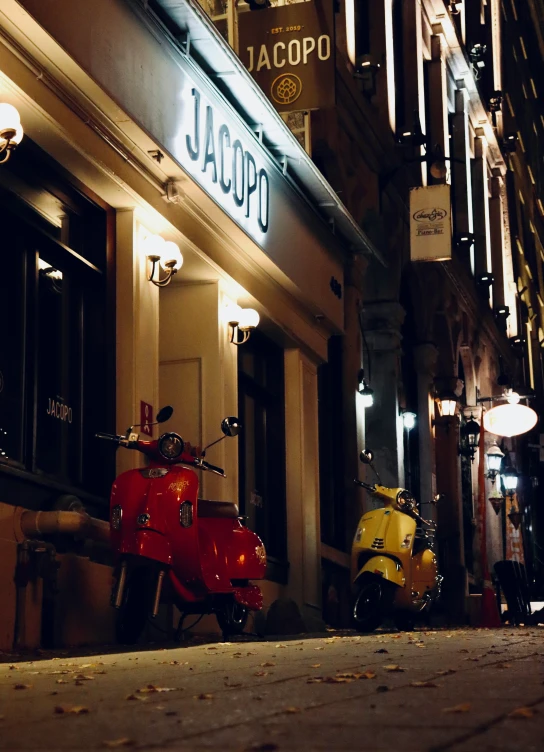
(164, 414)
(231, 426)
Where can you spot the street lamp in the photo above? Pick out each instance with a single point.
(367, 394)
(510, 483)
(494, 460)
(470, 436)
(447, 403)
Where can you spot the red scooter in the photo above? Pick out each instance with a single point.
(174, 547)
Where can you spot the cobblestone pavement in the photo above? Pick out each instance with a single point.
(461, 690)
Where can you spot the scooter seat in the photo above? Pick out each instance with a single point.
(223, 509)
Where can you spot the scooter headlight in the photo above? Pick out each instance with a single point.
(116, 516)
(171, 445)
(405, 501)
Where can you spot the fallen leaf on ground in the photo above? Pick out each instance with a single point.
(22, 686)
(394, 667)
(61, 681)
(319, 648)
(281, 646)
(260, 673)
(426, 684)
(381, 650)
(14, 668)
(463, 707)
(292, 710)
(446, 672)
(463, 650)
(204, 696)
(73, 709)
(237, 684)
(331, 679)
(522, 713)
(116, 743)
(136, 697)
(315, 665)
(152, 688)
(369, 675)
(268, 663)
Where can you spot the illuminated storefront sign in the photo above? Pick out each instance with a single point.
(225, 162)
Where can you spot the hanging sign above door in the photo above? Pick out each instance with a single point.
(289, 50)
(430, 223)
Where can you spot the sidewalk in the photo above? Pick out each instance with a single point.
(461, 690)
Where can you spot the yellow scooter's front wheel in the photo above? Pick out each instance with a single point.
(373, 598)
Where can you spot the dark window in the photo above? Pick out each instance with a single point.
(55, 348)
(262, 447)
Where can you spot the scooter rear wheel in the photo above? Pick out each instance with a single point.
(232, 618)
(372, 599)
(135, 607)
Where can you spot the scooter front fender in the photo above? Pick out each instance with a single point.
(382, 566)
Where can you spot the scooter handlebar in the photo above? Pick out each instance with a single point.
(207, 466)
(109, 437)
(361, 483)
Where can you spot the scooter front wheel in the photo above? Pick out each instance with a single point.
(232, 618)
(372, 599)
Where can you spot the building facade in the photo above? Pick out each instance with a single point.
(140, 122)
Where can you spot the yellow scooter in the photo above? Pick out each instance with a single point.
(393, 565)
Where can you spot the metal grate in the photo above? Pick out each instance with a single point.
(378, 543)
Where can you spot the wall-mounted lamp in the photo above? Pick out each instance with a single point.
(241, 320)
(11, 131)
(484, 282)
(518, 345)
(165, 254)
(414, 137)
(476, 55)
(470, 436)
(408, 419)
(464, 241)
(454, 8)
(494, 460)
(510, 142)
(365, 391)
(52, 275)
(495, 105)
(366, 70)
(447, 402)
(510, 483)
(501, 313)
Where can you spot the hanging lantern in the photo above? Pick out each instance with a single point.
(515, 518)
(494, 460)
(470, 436)
(509, 420)
(510, 480)
(497, 503)
(447, 403)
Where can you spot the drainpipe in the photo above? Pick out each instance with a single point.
(35, 559)
(37, 524)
